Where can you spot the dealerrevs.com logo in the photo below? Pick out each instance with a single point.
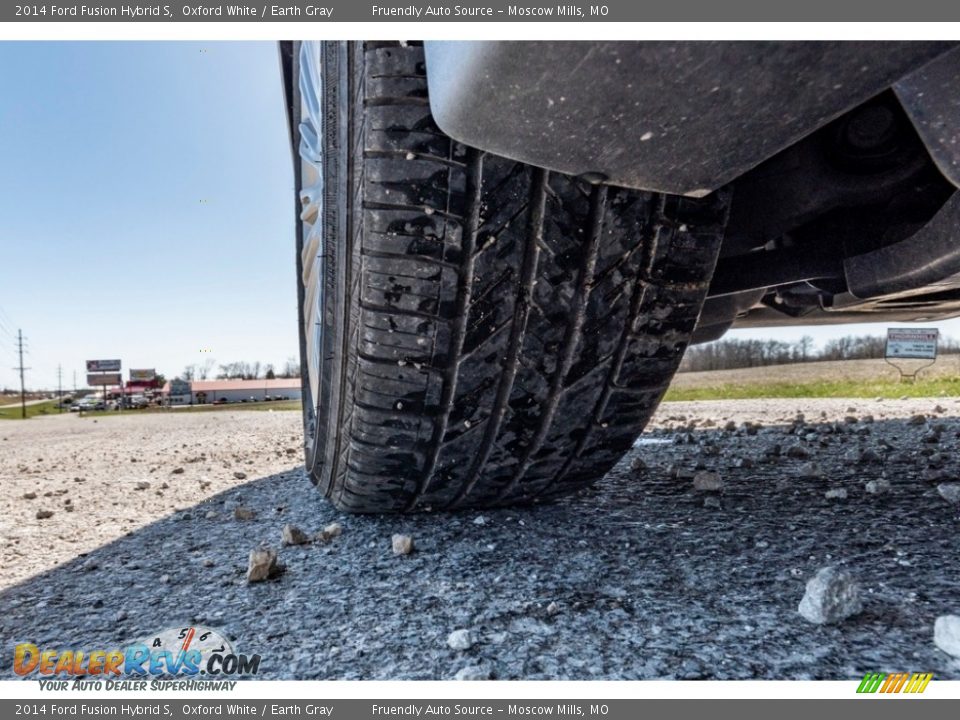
(178, 652)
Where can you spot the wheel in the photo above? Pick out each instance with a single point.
(474, 331)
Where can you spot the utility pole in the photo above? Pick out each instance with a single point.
(60, 387)
(21, 368)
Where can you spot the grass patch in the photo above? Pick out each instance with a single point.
(934, 387)
(12, 412)
(276, 405)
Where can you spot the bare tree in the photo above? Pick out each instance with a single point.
(291, 368)
(732, 353)
(189, 373)
(204, 370)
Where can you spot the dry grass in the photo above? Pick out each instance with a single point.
(847, 378)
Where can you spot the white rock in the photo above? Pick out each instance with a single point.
(707, 481)
(877, 487)
(402, 544)
(479, 520)
(460, 639)
(946, 634)
(263, 565)
(832, 595)
(950, 492)
(292, 535)
(330, 532)
(836, 494)
(472, 672)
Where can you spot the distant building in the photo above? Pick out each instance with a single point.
(200, 392)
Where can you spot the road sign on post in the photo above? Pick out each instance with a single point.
(911, 344)
(104, 373)
(96, 379)
(103, 366)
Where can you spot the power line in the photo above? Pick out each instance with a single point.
(6, 322)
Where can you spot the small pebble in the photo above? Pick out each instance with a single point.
(402, 544)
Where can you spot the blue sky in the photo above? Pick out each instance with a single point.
(146, 208)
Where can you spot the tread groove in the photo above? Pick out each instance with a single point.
(459, 328)
(518, 328)
(571, 338)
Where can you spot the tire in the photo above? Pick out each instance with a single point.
(475, 332)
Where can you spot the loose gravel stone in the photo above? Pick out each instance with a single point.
(44, 514)
(460, 639)
(292, 535)
(946, 634)
(836, 494)
(143, 485)
(877, 487)
(263, 565)
(402, 544)
(329, 532)
(798, 452)
(950, 492)
(810, 471)
(243, 513)
(472, 672)
(240, 475)
(707, 481)
(832, 595)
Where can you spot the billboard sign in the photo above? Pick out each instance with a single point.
(143, 375)
(105, 379)
(912, 343)
(103, 366)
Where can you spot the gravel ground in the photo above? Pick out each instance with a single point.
(641, 577)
